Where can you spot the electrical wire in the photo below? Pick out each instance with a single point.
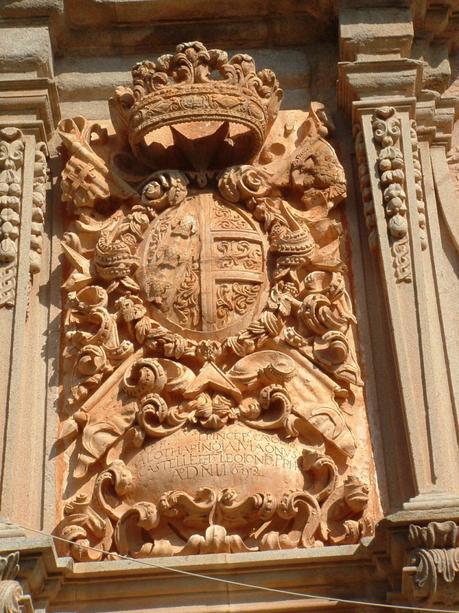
(239, 583)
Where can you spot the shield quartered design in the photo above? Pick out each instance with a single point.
(203, 266)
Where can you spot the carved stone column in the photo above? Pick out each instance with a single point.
(401, 168)
(28, 115)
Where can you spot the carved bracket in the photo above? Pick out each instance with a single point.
(432, 573)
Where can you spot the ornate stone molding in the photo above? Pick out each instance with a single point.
(432, 574)
(11, 162)
(391, 166)
(401, 131)
(38, 207)
(12, 598)
(12, 172)
(202, 298)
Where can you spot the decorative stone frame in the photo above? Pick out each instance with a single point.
(420, 394)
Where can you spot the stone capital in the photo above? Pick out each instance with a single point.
(28, 91)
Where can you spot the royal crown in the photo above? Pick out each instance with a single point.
(194, 95)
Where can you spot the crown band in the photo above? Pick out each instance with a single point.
(196, 85)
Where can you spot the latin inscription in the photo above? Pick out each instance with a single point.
(219, 454)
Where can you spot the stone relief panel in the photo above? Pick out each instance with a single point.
(12, 152)
(212, 399)
(11, 163)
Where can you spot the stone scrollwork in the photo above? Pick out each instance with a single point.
(431, 576)
(211, 368)
(12, 598)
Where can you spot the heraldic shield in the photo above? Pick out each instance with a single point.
(211, 383)
(203, 266)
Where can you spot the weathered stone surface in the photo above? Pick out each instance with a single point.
(218, 383)
(26, 52)
(167, 402)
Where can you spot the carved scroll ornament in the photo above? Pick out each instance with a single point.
(12, 597)
(12, 148)
(208, 331)
(432, 576)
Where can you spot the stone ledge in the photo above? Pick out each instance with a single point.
(60, 583)
(340, 571)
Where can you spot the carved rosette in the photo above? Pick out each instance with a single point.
(210, 362)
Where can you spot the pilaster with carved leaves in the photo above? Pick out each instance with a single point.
(401, 133)
(392, 195)
(12, 177)
(23, 188)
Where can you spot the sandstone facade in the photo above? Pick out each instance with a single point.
(228, 289)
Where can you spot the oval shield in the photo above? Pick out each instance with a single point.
(203, 266)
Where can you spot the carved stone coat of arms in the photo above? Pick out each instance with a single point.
(210, 367)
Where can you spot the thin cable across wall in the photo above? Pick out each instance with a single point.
(189, 573)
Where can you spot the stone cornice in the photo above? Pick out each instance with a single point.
(377, 79)
(62, 583)
(31, 105)
(28, 91)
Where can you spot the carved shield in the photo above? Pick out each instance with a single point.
(203, 266)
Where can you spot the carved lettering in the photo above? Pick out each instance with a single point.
(209, 329)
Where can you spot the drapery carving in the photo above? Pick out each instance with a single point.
(210, 365)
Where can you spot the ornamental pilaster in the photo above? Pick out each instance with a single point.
(29, 112)
(402, 131)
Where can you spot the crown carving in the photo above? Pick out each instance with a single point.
(196, 85)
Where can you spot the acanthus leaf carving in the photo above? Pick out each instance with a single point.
(433, 564)
(12, 597)
(209, 328)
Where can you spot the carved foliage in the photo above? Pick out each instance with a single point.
(420, 204)
(208, 343)
(11, 163)
(11, 594)
(391, 166)
(453, 163)
(12, 146)
(38, 207)
(434, 563)
(365, 188)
